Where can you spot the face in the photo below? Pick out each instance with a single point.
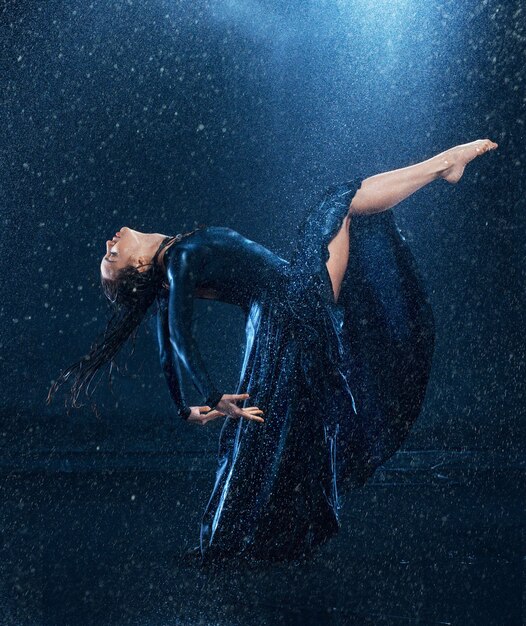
(122, 250)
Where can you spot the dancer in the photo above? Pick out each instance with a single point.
(339, 343)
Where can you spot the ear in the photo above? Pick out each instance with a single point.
(142, 263)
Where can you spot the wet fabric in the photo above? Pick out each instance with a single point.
(341, 384)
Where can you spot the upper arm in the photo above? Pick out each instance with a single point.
(169, 360)
(182, 269)
(162, 329)
(163, 332)
(181, 273)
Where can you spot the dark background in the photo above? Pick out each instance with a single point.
(160, 115)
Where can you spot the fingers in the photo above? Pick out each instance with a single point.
(251, 415)
(213, 415)
(236, 397)
(253, 410)
(201, 415)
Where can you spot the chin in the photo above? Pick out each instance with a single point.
(125, 229)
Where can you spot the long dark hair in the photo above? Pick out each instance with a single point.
(130, 294)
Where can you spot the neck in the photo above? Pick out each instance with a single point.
(160, 256)
(149, 243)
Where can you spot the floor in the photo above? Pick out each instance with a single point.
(436, 539)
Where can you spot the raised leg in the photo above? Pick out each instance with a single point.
(383, 191)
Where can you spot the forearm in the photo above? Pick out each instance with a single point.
(190, 357)
(183, 267)
(169, 361)
(383, 191)
(173, 376)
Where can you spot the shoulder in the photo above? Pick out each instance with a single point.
(182, 256)
(219, 233)
(224, 236)
(201, 241)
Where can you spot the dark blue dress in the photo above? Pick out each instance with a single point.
(341, 383)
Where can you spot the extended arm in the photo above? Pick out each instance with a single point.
(182, 267)
(181, 273)
(169, 360)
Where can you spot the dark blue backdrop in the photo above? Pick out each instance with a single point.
(161, 115)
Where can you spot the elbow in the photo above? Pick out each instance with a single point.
(177, 344)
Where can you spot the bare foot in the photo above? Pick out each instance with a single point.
(454, 160)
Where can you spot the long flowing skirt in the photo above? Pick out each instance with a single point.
(341, 384)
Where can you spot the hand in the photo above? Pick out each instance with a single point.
(227, 406)
(201, 415)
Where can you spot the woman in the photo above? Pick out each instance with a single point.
(339, 343)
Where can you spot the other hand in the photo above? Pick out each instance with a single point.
(227, 406)
(201, 415)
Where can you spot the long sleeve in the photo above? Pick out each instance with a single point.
(181, 271)
(169, 360)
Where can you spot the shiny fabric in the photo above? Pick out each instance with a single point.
(341, 385)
